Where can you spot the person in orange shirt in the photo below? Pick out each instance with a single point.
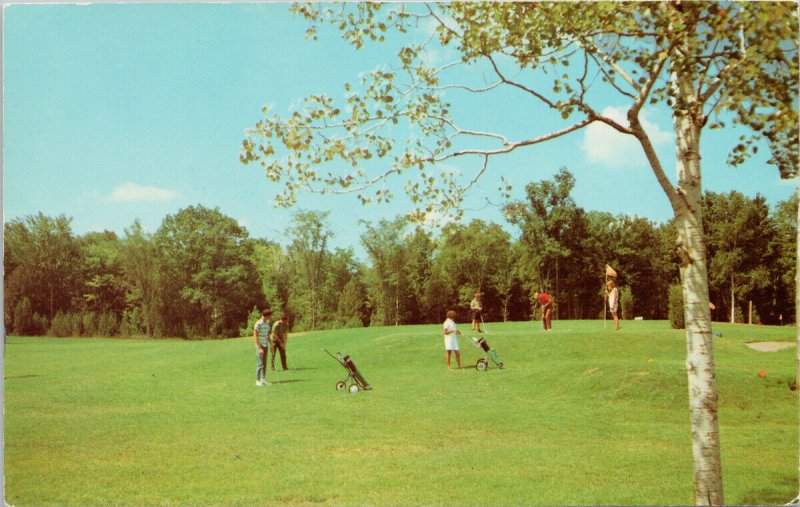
(546, 301)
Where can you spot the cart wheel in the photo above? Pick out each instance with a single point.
(481, 365)
(340, 386)
(354, 388)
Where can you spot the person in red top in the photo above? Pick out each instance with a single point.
(546, 301)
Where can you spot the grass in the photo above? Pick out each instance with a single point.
(580, 416)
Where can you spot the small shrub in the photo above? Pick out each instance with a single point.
(627, 303)
(131, 324)
(23, 318)
(60, 326)
(756, 317)
(740, 318)
(107, 324)
(676, 315)
(89, 323)
(75, 324)
(252, 318)
(352, 322)
(40, 325)
(193, 332)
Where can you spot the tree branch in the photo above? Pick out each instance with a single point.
(619, 70)
(513, 146)
(520, 86)
(644, 92)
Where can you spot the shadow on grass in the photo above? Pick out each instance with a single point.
(288, 381)
(777, 494)
(765, 497)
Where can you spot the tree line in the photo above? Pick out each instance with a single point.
(201, 274)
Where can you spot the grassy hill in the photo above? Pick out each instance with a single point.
(580, 416)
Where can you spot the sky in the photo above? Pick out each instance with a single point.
(119, 112)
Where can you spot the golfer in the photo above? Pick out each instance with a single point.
(476, 307)
(613, 302)
(280, 333)
(451, 339)
(546, 301)
(261, 332)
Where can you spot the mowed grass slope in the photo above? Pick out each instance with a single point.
(580, 416)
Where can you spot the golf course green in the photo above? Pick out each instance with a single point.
(580, 415)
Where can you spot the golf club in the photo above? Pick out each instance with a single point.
(277, 377)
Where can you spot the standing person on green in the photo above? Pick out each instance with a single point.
(476, 307)
(546, 301)
(280, 333)
(451, 333)
(613, 302)
(261, 332)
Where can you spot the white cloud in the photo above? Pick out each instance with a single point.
(131, 192)
(606, 146)
(437, 219)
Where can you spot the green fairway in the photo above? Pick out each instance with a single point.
(579, 416)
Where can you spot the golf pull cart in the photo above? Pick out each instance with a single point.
(483, 363)
(354, 381)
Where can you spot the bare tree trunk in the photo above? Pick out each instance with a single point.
(691, 250)
(558, 294)
(797, 304)
(733, 303)
(146, 311)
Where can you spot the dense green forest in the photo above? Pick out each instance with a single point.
(201, 274)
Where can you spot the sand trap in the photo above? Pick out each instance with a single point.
(770, 346)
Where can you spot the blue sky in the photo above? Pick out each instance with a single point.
(114, 112)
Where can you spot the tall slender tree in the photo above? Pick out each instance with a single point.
(384, 243)
(140, 264)
(309, 236)
(545, 219)
(738, 232)
(711, 63)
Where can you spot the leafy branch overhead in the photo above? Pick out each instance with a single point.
(396, 122)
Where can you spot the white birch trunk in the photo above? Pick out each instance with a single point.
(797, 293)
(691, 251)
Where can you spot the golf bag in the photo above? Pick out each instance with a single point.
(483, 363)
(354, 381)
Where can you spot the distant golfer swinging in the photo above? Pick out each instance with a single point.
(476, 307)
(277, 342)
(546, 301)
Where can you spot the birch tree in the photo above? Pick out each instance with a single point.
(385, 246)
(309, 247)
(141, 271)
(713, 64)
